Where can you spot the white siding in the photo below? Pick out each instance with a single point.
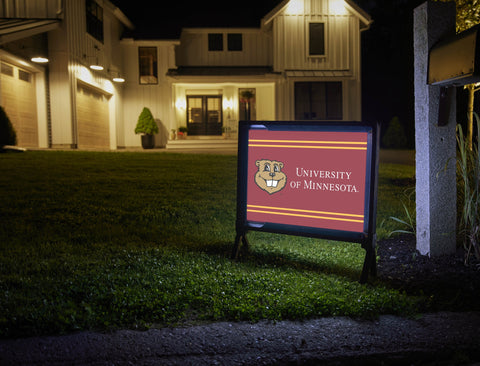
(342, 35)
(341, 61)
(156, 97)
(193, 49)
(72, 50)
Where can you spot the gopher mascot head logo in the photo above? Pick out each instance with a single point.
(269, 176)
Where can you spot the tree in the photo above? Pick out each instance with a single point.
(146, 123)
(468, 15)
(394, 137)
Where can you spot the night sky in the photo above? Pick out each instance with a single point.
(387, 47)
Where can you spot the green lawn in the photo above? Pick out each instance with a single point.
(93, 240)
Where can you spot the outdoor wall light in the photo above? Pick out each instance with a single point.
(116, 77)
(337, 7)
(39, 59)
(295, 7)
(181, 104)
(96, 66)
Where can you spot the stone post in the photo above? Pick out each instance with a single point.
(435, 145)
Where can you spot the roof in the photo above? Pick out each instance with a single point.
(13, 29)
(220, 71)
(351, 5)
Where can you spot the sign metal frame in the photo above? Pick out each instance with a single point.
(366, 237)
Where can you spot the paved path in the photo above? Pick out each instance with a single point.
(431, 339)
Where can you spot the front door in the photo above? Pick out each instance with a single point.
(204, 115)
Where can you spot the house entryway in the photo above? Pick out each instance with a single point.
(204, 116)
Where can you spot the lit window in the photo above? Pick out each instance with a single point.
(248, 105)
(147, 64)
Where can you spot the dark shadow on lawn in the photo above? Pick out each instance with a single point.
(249, 256)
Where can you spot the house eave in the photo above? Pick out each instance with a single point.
(15, 29)
(365, 19)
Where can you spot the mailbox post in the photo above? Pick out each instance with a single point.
(435, 144)
(443, 61)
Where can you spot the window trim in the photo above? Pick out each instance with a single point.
(94, 25)
(212, 42)
(232, 42)
(308, 40)
(310, 82)
(226, 42)
(154, 67)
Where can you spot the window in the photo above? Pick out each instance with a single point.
(215, 42)
(147, 64)
(24, 75)
(7, 69)
(94, 20)
(204, 115)
(316, 39)
(318, 101)
(248, 105)
(234, 41)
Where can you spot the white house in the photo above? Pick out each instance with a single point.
(302, 62)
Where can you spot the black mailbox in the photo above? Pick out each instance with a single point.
(455, 61)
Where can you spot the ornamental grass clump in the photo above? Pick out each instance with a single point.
(468, 173)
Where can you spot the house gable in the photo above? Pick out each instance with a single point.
(316, 35)
(298, 5)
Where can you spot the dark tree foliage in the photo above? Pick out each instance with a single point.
(8, 135)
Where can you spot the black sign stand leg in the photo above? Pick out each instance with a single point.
(241, 238)
(370, 263)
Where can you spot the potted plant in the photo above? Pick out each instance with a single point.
(148, 127)
(182, 132)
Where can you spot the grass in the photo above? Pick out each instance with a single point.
(94, 240)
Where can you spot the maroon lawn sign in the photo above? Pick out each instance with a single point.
(316, 179)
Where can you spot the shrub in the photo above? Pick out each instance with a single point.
(146, 123)
(394, 137)
(468, 173)
(8, 135)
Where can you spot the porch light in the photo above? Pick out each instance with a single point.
(227, 103)
(39, 59)
(96, 66)
(181, 103)
(295, 7)
(116, 76)
(337, 7)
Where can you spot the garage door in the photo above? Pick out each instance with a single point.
(92, 119)
(20, 103)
